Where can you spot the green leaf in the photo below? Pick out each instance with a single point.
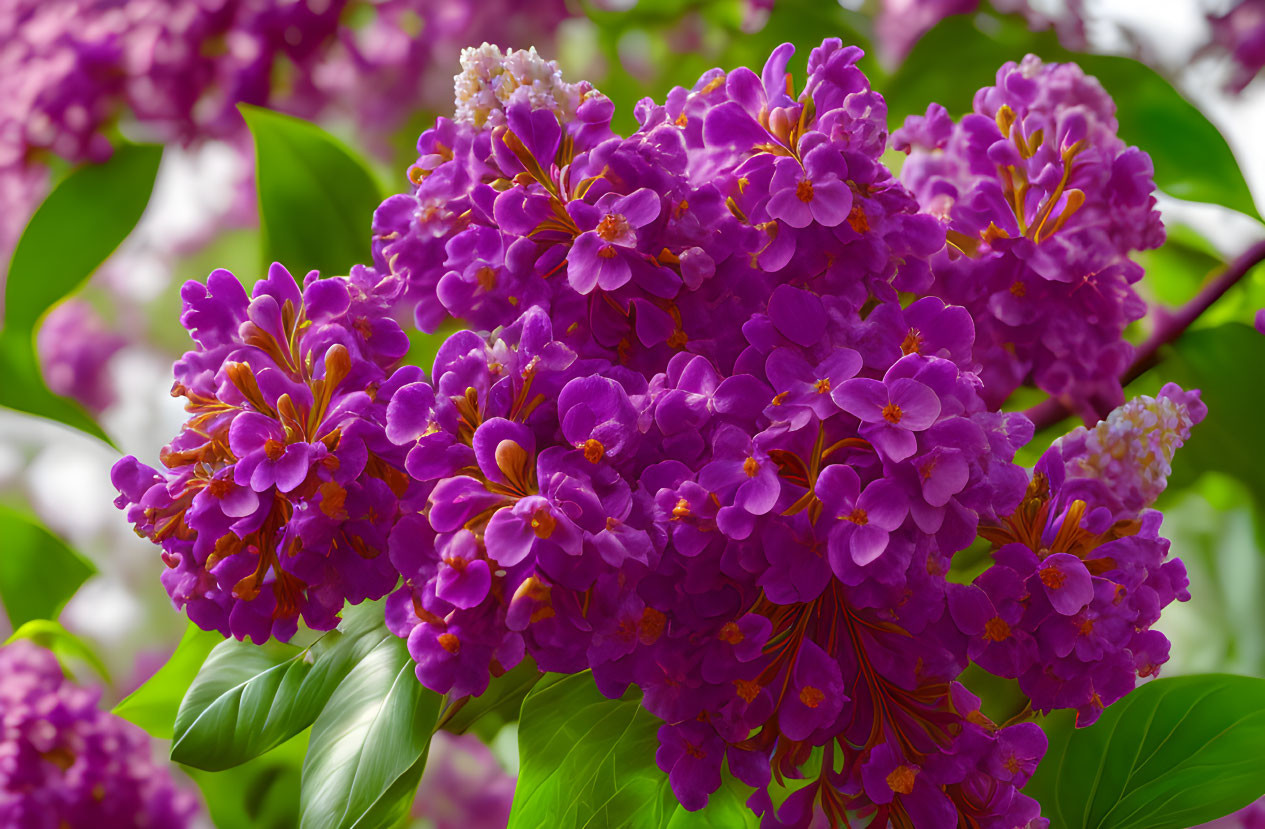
(77, 227)
(316, 199)
(80, 224)
(38, 571)
(369, 744)
(1192, 159)
(1174, 753)
(66, 646)
(1230, 439)
(585, 760)
(153, 706)
(245, 702)
(260, 794)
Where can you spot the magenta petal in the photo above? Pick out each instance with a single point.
(640, 208)
(292, 468)
(885, 504)
(613, 270)
(868, 543)
(508, 538)
(895, 443)
(1067, 583)
(582, 262)
(239, 502)
(409, 412)
(758, 495)
(863, 398)
(919, 405)
(790, 208)
(464, 588)
(831, 202)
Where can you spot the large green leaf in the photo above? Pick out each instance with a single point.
(1174, 753)
(500, 704)
(80, 224)
(82, 221)
(1192, 159)
(316, 199)
(260, 794)
(245, 701)
(369, 744)
(38, 571)
(153, 706)
(585, 761)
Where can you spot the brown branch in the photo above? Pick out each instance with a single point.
(1170, 327)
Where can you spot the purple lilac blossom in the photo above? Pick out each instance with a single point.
(66, 763)
(1249, 817)
(753, 529)
(1042, 204)
(278, 497)
(1081, 572)
(75, 348)
(72, 69)
(1241, 33)
(464, 786)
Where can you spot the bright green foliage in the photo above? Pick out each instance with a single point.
(153, 706)
(38, 571)
(1175, 753)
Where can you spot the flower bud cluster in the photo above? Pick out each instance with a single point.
(65, 762)
(1042, 204)
(1081, 572)
(278, 496)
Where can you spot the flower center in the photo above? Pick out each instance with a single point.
(892, 413)
(912, 342)
(1052, 577)
(450, 643)
(996, 629)
(901, 780)
(593, 450)
(822, 386)
(274, 449)
(731, 633)
(811, 697)
(751, 466)
(804, 190)
(543, 522)
(613, 227)
(858, 516)
(681, 510)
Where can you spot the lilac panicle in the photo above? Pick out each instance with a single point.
(66, 763)
(75, 347)
(1081, 572)
(277, 499)
(737, 525)
(1043, 204)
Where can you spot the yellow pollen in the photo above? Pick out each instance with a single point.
(748, 689)
(612, 227)
(810, 696)
(912, 343)
(486, 277)
(730, 633)
(996, 629)
(681, 510)
(858, 516)
(822, 386)
(804, 190)
(751, 466)
(274, 449)
(1052, 577)
(892, 413)
(780, 397)
(593, 450)
(901, 780)
(450, 643)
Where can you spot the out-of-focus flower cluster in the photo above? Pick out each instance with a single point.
(464, 786)
(1251, 817)
(71, 69)
(1043, 204)
(1240, 31)
(66, 763)
(701, 444)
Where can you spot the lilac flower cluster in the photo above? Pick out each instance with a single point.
(1042, 204)
(280, 492)
(753, 530)
(464, 786)
(66, 763)
(71, 69)
(1080, 571)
